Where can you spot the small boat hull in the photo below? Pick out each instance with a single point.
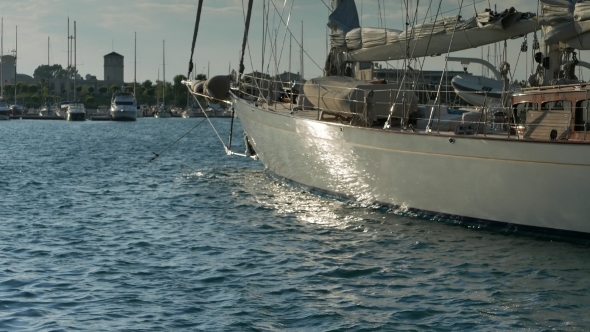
(477, 90)
(123, 115)
(76, 116)
(163, 115)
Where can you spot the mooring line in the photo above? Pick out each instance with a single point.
(156, 155)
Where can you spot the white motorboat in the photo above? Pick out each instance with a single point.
(61, 109)
(123, 107)
(75, 112)
(522, 168)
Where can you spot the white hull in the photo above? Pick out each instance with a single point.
(123, 115)
(518, 184)
(75, 116)
(163, 115)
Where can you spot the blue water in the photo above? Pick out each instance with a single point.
(95, 238)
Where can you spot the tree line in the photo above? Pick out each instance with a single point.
(146, 92)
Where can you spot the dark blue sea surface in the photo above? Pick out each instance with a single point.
(96, 238)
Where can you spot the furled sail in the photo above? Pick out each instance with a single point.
(566, 22)
(434, 38)
(347, 97)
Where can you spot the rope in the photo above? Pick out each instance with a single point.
(156, 155)
(197, 21)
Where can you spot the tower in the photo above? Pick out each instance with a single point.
(114, 68)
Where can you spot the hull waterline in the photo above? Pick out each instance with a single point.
(123, 115)
(76, 116)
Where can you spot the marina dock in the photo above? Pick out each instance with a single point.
(34, 117)
(91, 117)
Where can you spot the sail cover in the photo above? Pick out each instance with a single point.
(566, 22)
(434, 38)
(345, 96)
(341, 21)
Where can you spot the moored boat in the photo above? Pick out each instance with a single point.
(123, 107)
(75, 112)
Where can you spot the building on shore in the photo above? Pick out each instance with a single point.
(114, 68)
(113, 75)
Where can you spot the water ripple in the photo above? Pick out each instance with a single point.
(96, 238)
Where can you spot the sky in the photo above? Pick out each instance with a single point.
(104, 26)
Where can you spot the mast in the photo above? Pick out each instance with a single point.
(68, 67)
(135, 65)
(301, 75)
(164, 73)
(75, 63)
(69, 63)
(47, 51)
(2, 59)
(158, 99)
(15, 55)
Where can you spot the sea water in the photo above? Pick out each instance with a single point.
(94, 237)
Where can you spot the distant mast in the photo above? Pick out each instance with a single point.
(2, 59)
(135, 65)
(15, 55)
(75, 63)
(158, 98)
(68, 67)
(164, 72)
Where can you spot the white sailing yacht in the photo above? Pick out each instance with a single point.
(522, 169)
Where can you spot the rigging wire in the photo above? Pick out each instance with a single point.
(190, 63)
(249, 51)
(453, 9)
(156, 155)
(442, 76)
(284, 37)
(305, 52)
